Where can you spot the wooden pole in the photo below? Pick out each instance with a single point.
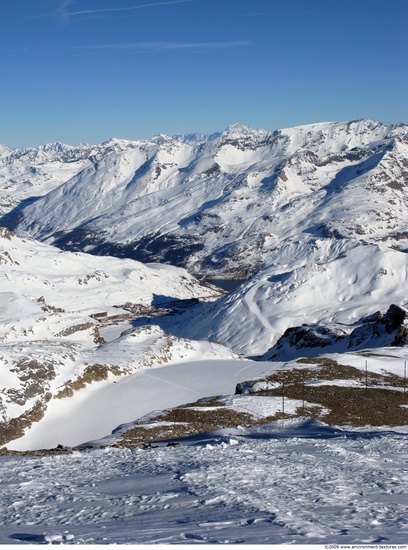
(283, 399)
(366, 377)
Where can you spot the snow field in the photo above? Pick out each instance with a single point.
(293, 481)
(85, 416)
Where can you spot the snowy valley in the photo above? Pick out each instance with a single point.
(117, 349)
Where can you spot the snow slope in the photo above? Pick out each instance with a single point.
(311, 280)
(29, 173)
(58, 310)
(45, 291)
(289, 482)
(86, 416)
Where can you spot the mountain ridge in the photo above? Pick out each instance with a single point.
(250, 205)
(169, 201)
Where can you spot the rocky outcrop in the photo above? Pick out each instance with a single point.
(375, 330)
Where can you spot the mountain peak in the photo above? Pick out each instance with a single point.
(242, 131)
(5, 151)
(162, 138)
(238, 128)
(53, 147)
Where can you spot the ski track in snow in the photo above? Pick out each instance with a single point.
(250, 301)
(288, 482)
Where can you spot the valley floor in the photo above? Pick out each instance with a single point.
(288, 482)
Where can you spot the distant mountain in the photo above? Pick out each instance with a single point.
(220, 205)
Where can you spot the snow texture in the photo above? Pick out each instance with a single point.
(289, 482)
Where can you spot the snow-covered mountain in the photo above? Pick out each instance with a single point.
(221, 205)
(312, 219)
(62, 316)
(312, 280)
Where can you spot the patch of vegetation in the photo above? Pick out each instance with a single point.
(80, 327)
(98, 339)
(354, 406)
(34, 376)
(5, 258)
(332, 370)
(14, 428)
(58, 450)
(373, 402)
(73, 329)
(49, 309)
(92, 373)
(190, 419)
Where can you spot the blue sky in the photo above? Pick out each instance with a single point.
(87, 70)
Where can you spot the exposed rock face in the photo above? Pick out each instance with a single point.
(388, 329)
(394, 317)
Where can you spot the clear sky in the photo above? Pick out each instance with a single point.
(88, 70)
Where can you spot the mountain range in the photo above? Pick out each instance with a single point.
(221, 206)
(310, 224)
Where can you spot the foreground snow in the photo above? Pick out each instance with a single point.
(292, 481)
